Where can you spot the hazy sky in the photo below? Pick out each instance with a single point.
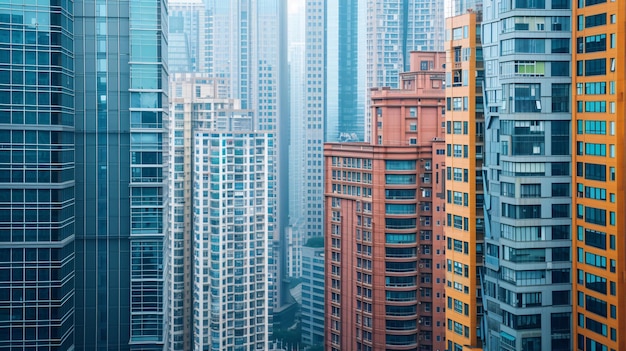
(296, 5)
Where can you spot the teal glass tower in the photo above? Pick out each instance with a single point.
(82, 93)
(37, 197)
(121, 103)
(342, 29)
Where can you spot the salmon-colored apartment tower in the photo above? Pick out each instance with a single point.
(599, 175)
(464, 228)
(384, 244)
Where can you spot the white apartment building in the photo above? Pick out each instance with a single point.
(231, 240)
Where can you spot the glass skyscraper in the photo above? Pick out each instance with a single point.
(37, 188)
(341, 66)
(82, 93)
(121, 101)
(188, 32)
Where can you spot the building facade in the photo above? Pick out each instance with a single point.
(298, 156)
(306, 135)
(232, 240)
(37, 179)
(380, 201)
(598, 197)
(97, 230)
(189, 36)
(313, 292)
(120, 52)
(465, 226)
(336, 40)
(392, 30)
(196, 100)
(527, 281)
(247, 46)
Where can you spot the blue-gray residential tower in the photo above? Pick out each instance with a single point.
(527, 279)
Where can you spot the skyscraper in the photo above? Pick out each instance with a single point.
(196, 100)
(121, 103)
(306, 129)
(93, 74)
(336, 45)
(300, 197)
(232, 240)
(381, 243)
(313, 292)
(248, 48)
(464, 180)
(245, 49)
(599, 309)
(188, 44)
(527, 280)
(37, 184)
(393, 29)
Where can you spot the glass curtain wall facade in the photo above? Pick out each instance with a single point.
(342, 28)
(188, 36)
(527, 281)
(37, 184)
(598, 198)
(122, 79)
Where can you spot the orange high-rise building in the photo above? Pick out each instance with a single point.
(599, 200)
(464, 228)
(384, 210)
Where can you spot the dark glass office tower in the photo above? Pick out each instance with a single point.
(342, 56)
(121, 101)
(36, 175)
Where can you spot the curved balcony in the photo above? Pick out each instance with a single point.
(405, 341)
(401, 267)
(402, 312)
(395, 326)
(402, 252)
(401, 281)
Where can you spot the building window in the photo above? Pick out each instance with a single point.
(530, 4)
(521, 211)
(400, 165)
(595, 67)
(595, 215)
(595, 43)
(560, 46)
(595, 172)
(560, 97)
(560, 211)
(530, 190)
(594, 20)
